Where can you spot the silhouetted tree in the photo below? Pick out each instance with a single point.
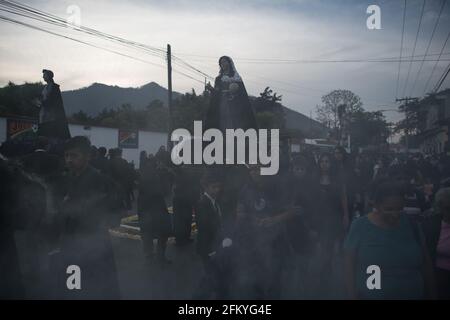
(329, 113)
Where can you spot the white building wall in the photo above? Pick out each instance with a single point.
(109, 138)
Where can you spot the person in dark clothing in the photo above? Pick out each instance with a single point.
(186, 195)
(436, 227)
(299, 186)
(260, 241)
(328, 216)
(163, 156)
(154, 219)
(142, 158)
(299, 232)
(361, 177)
(101, 162)
(22, 207)
(234, 177)
(52, 117)
(123, 174)
(208, 218)
(90, 207)
(45, 169)
(42, 162)
(212, 240)
(345, 181)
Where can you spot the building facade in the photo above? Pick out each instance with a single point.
(434, 136)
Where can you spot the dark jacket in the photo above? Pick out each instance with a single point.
(91, 203)
(22, 206)
(152, 207)
(91, 206)
(209, 225)
(431, 226)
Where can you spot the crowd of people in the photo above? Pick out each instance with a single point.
(258, 237)
(384, 217)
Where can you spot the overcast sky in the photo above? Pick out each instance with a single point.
(201, 31)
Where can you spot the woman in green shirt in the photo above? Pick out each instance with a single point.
(384, 256)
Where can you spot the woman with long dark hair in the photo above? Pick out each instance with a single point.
(328, 215)
(344, 179)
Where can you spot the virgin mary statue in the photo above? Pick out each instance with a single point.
(230, 106)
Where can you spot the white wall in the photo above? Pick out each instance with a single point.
(108, 138)
(99, 137)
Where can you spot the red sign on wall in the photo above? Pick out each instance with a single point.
(128, 139)
(19, 128)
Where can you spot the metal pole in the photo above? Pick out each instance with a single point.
(169, 92)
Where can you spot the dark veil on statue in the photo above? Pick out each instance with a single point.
(230, 106)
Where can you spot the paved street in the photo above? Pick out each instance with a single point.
(140, 279)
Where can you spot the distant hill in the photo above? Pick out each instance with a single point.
(97, 96)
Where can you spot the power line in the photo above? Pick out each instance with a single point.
(349, 61)
(299, 61)
(442, 79)
(434, 67)
(192, 67)
(55, 19)
(32, 13)
(401, 50)
(186, 75)
(429, 44)
(415, 44)
(6, 19)
(38, 15)
(35, 14)
(243, 60)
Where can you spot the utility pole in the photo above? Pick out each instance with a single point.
(407, 100)
(169, 98)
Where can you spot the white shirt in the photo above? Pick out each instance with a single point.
(213, 201)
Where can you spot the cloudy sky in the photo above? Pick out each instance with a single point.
(262, 36)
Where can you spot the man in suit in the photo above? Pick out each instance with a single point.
(210, 238)
(209, 218)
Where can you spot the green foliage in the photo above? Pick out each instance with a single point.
(368, 128)
(19, 99)
(188, 108)
(415, 118)
(269, 110)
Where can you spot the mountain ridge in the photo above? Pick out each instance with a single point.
(98, 96)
